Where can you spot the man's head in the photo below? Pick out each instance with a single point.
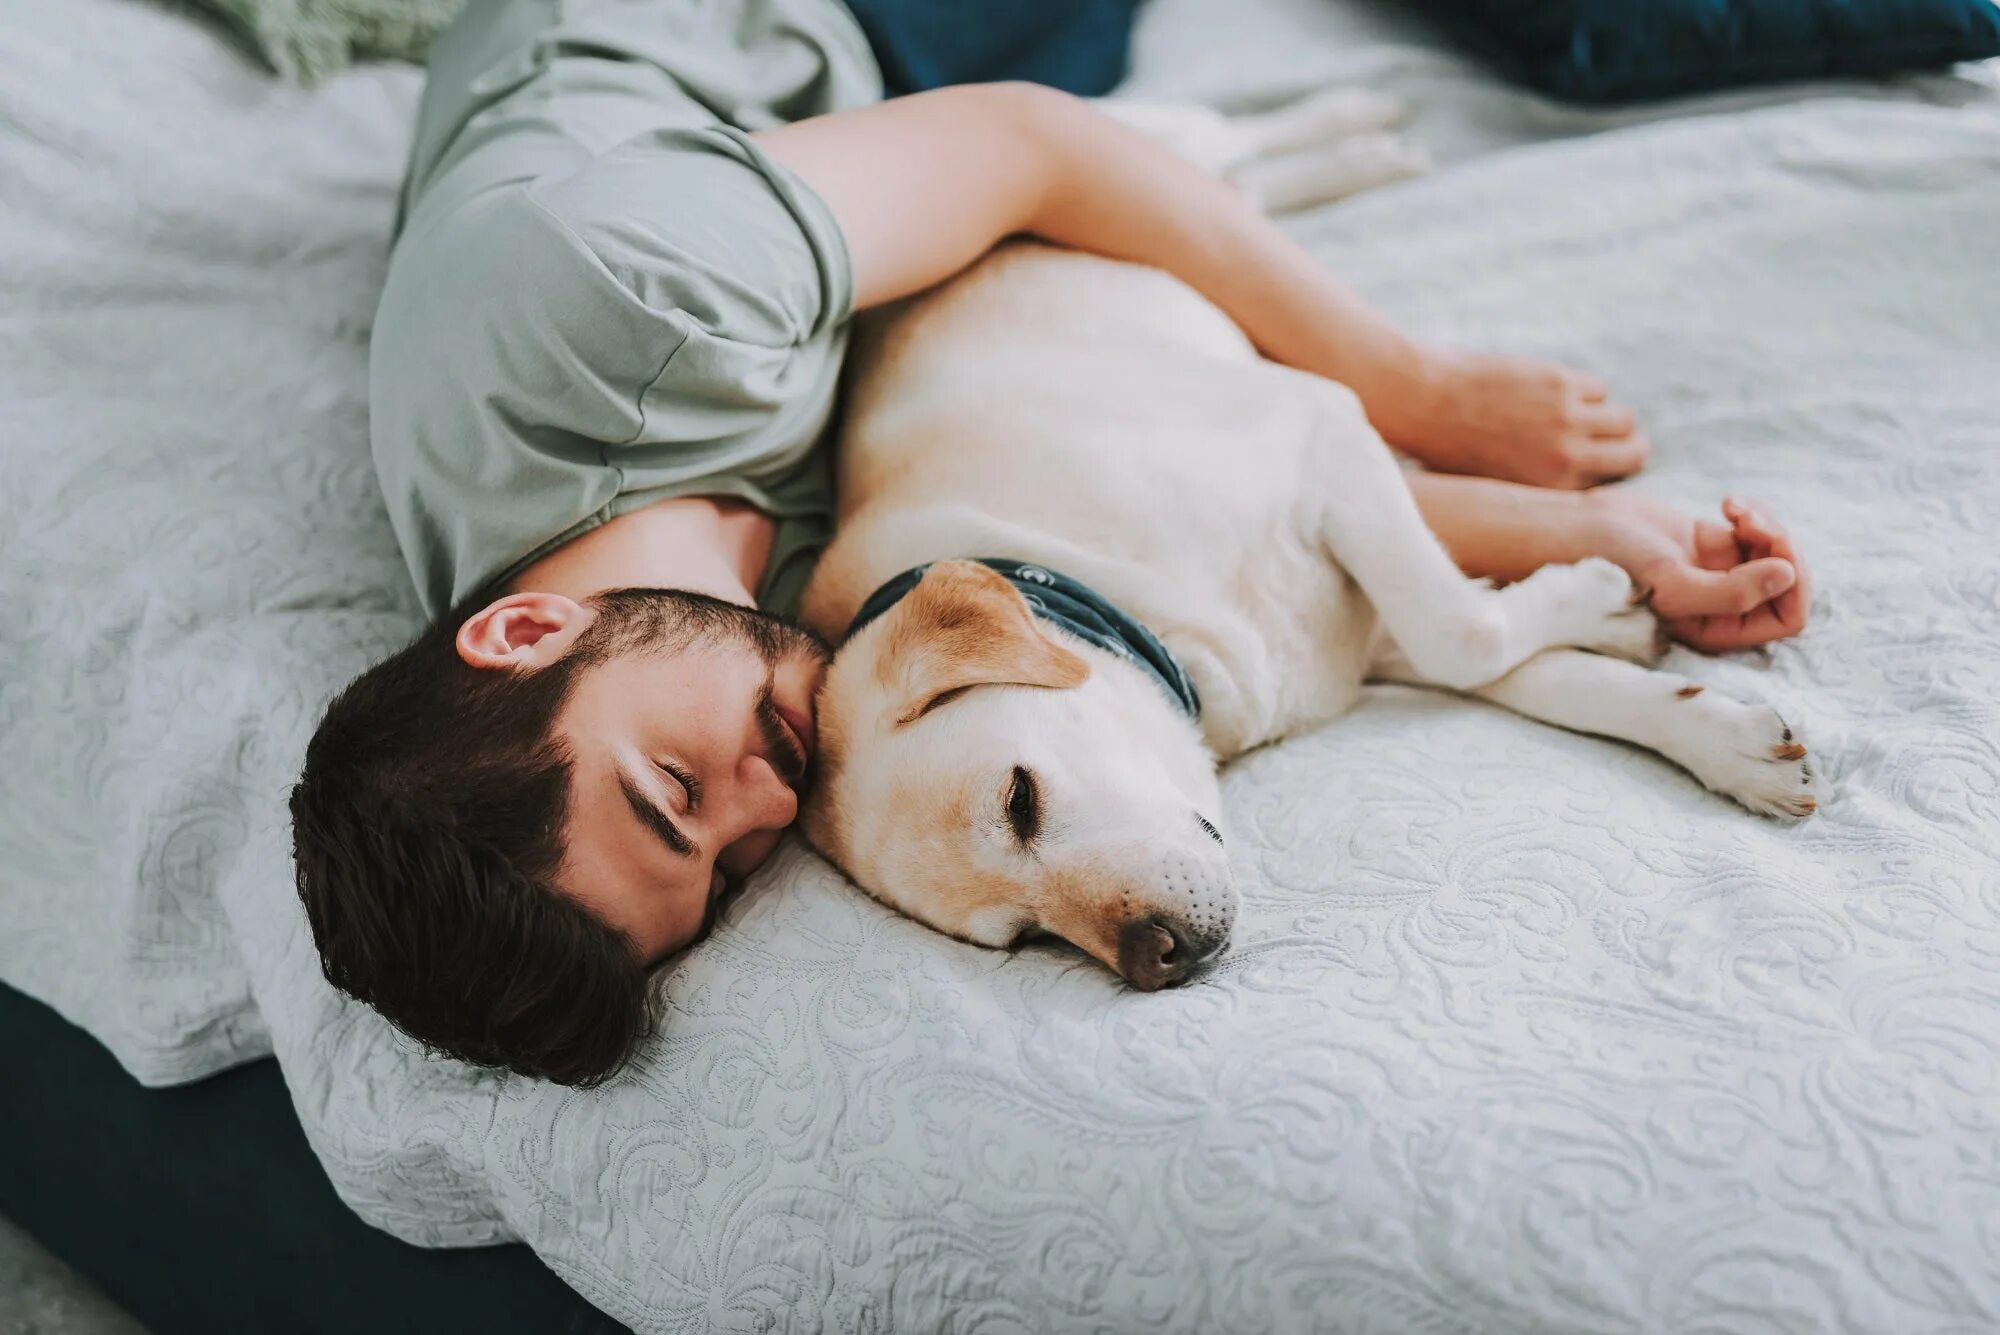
(501, 828)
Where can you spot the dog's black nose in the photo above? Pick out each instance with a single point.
(1153, 953)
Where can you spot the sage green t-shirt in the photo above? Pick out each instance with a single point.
(604, 294)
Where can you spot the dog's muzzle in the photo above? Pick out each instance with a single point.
(1185, 916)
(1156, 951)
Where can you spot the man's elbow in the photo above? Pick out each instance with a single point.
(1035, 133)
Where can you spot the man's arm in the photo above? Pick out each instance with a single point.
(1718, 585)
(922, 186)
(925, 185)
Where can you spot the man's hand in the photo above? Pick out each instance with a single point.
(1511, 418)
(1716, 585)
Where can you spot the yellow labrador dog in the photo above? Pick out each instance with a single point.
(1091, 544)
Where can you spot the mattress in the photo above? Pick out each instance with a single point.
(1520, 1030)
(201, 1209)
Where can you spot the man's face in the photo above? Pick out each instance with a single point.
(689, 748)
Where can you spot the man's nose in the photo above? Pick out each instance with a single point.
(760, 806)
(763, 800)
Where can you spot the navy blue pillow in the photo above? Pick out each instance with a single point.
(1080, 46)
(1627, 50)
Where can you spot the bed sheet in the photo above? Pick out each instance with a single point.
(192, 546)
(1520, 1031)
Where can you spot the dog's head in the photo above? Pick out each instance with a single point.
(979, 776)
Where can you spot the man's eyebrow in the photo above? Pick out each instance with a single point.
(652, 817)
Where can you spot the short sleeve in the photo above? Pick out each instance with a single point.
(666, 320)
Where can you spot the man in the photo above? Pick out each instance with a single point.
(605, 357)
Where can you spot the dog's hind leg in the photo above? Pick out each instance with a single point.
(1746, 752)
(1311, 177)
(1318, 149)
(1324, 147)
(1316, 120)
(1454, 631)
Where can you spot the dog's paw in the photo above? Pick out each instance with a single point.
(1308, 178)
(1745, 752)
(1320, 119)
(1594, 606)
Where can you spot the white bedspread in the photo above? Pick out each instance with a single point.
(1521, 1030)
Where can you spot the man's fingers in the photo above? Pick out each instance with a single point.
(1756, 530)
(1595, 461)
(1715, 546)
(1718, 604)
(1753, 522)
(1720, 634)
(1604, 421)
(1794, 605)
(1711, 635)
(1688, 591)
(1790, 608)
(1589, 388)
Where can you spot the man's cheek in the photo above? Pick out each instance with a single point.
(748, 853)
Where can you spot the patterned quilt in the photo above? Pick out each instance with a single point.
(1521, 1030)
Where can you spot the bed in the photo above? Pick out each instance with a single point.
(1520, 1030)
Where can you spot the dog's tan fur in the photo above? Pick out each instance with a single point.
(964, 627)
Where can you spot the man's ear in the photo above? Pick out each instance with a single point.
(964, 626)
(522, 630)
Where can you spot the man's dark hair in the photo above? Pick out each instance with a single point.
(427, 828)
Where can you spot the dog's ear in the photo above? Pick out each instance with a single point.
(965, 626)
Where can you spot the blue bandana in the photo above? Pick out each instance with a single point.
(1077, 608)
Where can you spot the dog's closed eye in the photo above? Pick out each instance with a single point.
(1024, 806)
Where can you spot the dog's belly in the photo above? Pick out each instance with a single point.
(1106, 420)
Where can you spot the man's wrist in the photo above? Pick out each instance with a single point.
(1607, 525)
(1505, 530)
(1402, 393)
(1595, 528)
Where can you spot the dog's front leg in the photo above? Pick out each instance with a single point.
(1454, 631)
(1746, 752)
